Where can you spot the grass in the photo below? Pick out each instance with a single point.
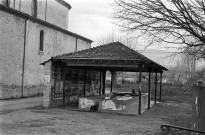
(167, 89)
(171, 93)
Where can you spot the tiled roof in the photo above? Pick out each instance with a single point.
(112, 51)
(115, 51)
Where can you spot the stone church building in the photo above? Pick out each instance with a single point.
(31, 32)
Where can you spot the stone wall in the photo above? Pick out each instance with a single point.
(113, 103)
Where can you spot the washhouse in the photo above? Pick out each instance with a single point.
(78, 79)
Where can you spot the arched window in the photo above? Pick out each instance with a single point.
(41, 40)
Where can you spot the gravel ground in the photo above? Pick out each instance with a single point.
(38, 121)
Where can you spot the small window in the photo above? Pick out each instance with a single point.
(41, 40)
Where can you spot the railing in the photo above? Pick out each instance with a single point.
(175, 130)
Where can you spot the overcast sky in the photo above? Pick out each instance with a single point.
(91, 18)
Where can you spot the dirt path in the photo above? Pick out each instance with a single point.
(64, 121)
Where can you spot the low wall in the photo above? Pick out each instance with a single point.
(112, 103)
(15, 91)
(57, 102)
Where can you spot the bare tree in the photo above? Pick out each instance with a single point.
(179, 22)
(188, 62)
(113, 36)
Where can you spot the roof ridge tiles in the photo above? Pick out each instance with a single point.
(70, 53)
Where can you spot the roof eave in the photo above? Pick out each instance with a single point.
(62, 2)
(43, 64)
(42, 22)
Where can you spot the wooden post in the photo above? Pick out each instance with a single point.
(155, 97)
(111, 83)
(84, 82)
(63, 66)
(103, 81)
(160, 88)
(7, 3)
(100, 89)
(149, 89)
(140, 88)
(55, 77)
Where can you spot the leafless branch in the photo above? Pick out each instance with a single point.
(180, 22)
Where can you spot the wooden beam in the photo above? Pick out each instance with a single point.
(103, 81)
(100, 89)
(149, 89)
(111, 83)
(155, 97)
(63, 66)
(127, 68)
(54, 76)
(7, 3)
(140, 94)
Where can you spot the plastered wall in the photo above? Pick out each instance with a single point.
(41, 9)
(55, 43)
(57, 14)
(82, 45)
(26, 6)
(47, 10)
(11, 54)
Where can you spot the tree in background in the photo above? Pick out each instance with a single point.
(124, 38)
(114, 37)
(188, 62)
(179, 22)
